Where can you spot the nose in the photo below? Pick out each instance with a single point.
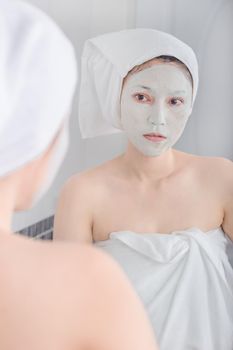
(157, 116)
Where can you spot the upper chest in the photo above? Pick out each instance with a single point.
(179, 202)
(183, 192)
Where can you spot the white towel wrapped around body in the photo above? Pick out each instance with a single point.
(185, 281)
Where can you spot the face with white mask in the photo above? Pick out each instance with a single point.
(156, 103)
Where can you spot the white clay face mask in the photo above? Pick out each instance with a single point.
(155, 106)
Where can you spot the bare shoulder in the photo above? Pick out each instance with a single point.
(217, 163)
(78, 265)
(218, 168)
(78, 200)
(215, 177)
(69, 272)
(69, 283)
(92, 179)
(52, 269)
(214, 174)
(98, 291)
(81, 278)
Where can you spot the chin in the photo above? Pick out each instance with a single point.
(145, 148)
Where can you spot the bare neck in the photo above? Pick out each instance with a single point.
(146, 168)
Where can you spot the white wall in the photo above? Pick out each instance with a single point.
(207, 26)
(81, 19)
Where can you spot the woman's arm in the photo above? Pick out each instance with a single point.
(73, 218)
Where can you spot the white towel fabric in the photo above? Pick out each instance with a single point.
(107, 59)
(38, 79)
(185, 280)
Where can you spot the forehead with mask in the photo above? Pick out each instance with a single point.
(38, 80)
(156, 102)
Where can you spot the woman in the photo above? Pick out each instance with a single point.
(164, 215)
(51, 295)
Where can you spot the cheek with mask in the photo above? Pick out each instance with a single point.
(155, 106)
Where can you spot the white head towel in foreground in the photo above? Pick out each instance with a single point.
(38, 79)
(106, 61)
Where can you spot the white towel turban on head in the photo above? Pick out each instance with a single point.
(38, 79)
(106, 61)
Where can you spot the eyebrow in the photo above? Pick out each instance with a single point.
(171, 92)
(144, 87)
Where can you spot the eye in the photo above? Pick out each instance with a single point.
(143, 98)
(176, 101)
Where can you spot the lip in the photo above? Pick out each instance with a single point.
(155, 137)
